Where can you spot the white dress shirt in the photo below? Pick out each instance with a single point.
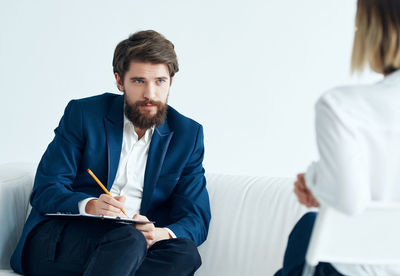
(129, 179)
(358, 136)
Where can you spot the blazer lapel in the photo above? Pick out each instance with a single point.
(158, 148)
(113, 123)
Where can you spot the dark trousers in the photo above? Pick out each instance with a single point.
(295, 254)
(78, 247)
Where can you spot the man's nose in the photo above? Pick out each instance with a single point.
(150, 91)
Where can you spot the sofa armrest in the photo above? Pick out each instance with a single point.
(16, 181)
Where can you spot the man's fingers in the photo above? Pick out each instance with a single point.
(120, 199)
(109, 200)
(140, 217)
(150, 238)
(112, 201)
(103, 206)
(108, 208)
(150, 243)
(149, 235)
(108, 213)
(148, 227)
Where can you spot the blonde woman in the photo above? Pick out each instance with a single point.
(358, 135)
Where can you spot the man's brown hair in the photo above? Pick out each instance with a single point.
(145, 46)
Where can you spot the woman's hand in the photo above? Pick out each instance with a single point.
(303, 194)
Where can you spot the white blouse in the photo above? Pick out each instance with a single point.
(358, 137)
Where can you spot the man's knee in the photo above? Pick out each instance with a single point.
(128, 237)
(189, 259)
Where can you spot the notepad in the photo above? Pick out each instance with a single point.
(105, 218)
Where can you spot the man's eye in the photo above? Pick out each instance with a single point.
(160, 81)
(138, 81)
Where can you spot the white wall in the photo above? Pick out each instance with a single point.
(251, 71)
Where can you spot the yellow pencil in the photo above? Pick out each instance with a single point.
(102, 186)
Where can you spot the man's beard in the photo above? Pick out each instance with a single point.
(145, 120)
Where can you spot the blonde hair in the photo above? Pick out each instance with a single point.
(377, 37)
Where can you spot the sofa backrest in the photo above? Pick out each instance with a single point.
(251, 220)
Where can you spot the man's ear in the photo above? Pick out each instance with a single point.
(119, 82)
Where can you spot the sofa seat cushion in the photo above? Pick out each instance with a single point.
(7, 272)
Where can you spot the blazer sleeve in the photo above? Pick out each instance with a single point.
(52, 191)
(339, 179)
(190, 202)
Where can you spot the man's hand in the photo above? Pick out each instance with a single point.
(151, 233)
(106, 205)
(303, 194)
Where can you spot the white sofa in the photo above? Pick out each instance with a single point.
(251, 220)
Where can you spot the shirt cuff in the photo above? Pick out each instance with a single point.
(310, 176)
(170, 232)
(82, 205)
(311, 182)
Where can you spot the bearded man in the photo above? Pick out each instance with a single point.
(149, 157)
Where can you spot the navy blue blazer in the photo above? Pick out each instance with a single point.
(90, 136)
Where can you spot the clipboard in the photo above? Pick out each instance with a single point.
(104, 218)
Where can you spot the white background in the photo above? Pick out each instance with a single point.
(250, 71)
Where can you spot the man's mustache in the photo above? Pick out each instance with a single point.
(146, 102)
